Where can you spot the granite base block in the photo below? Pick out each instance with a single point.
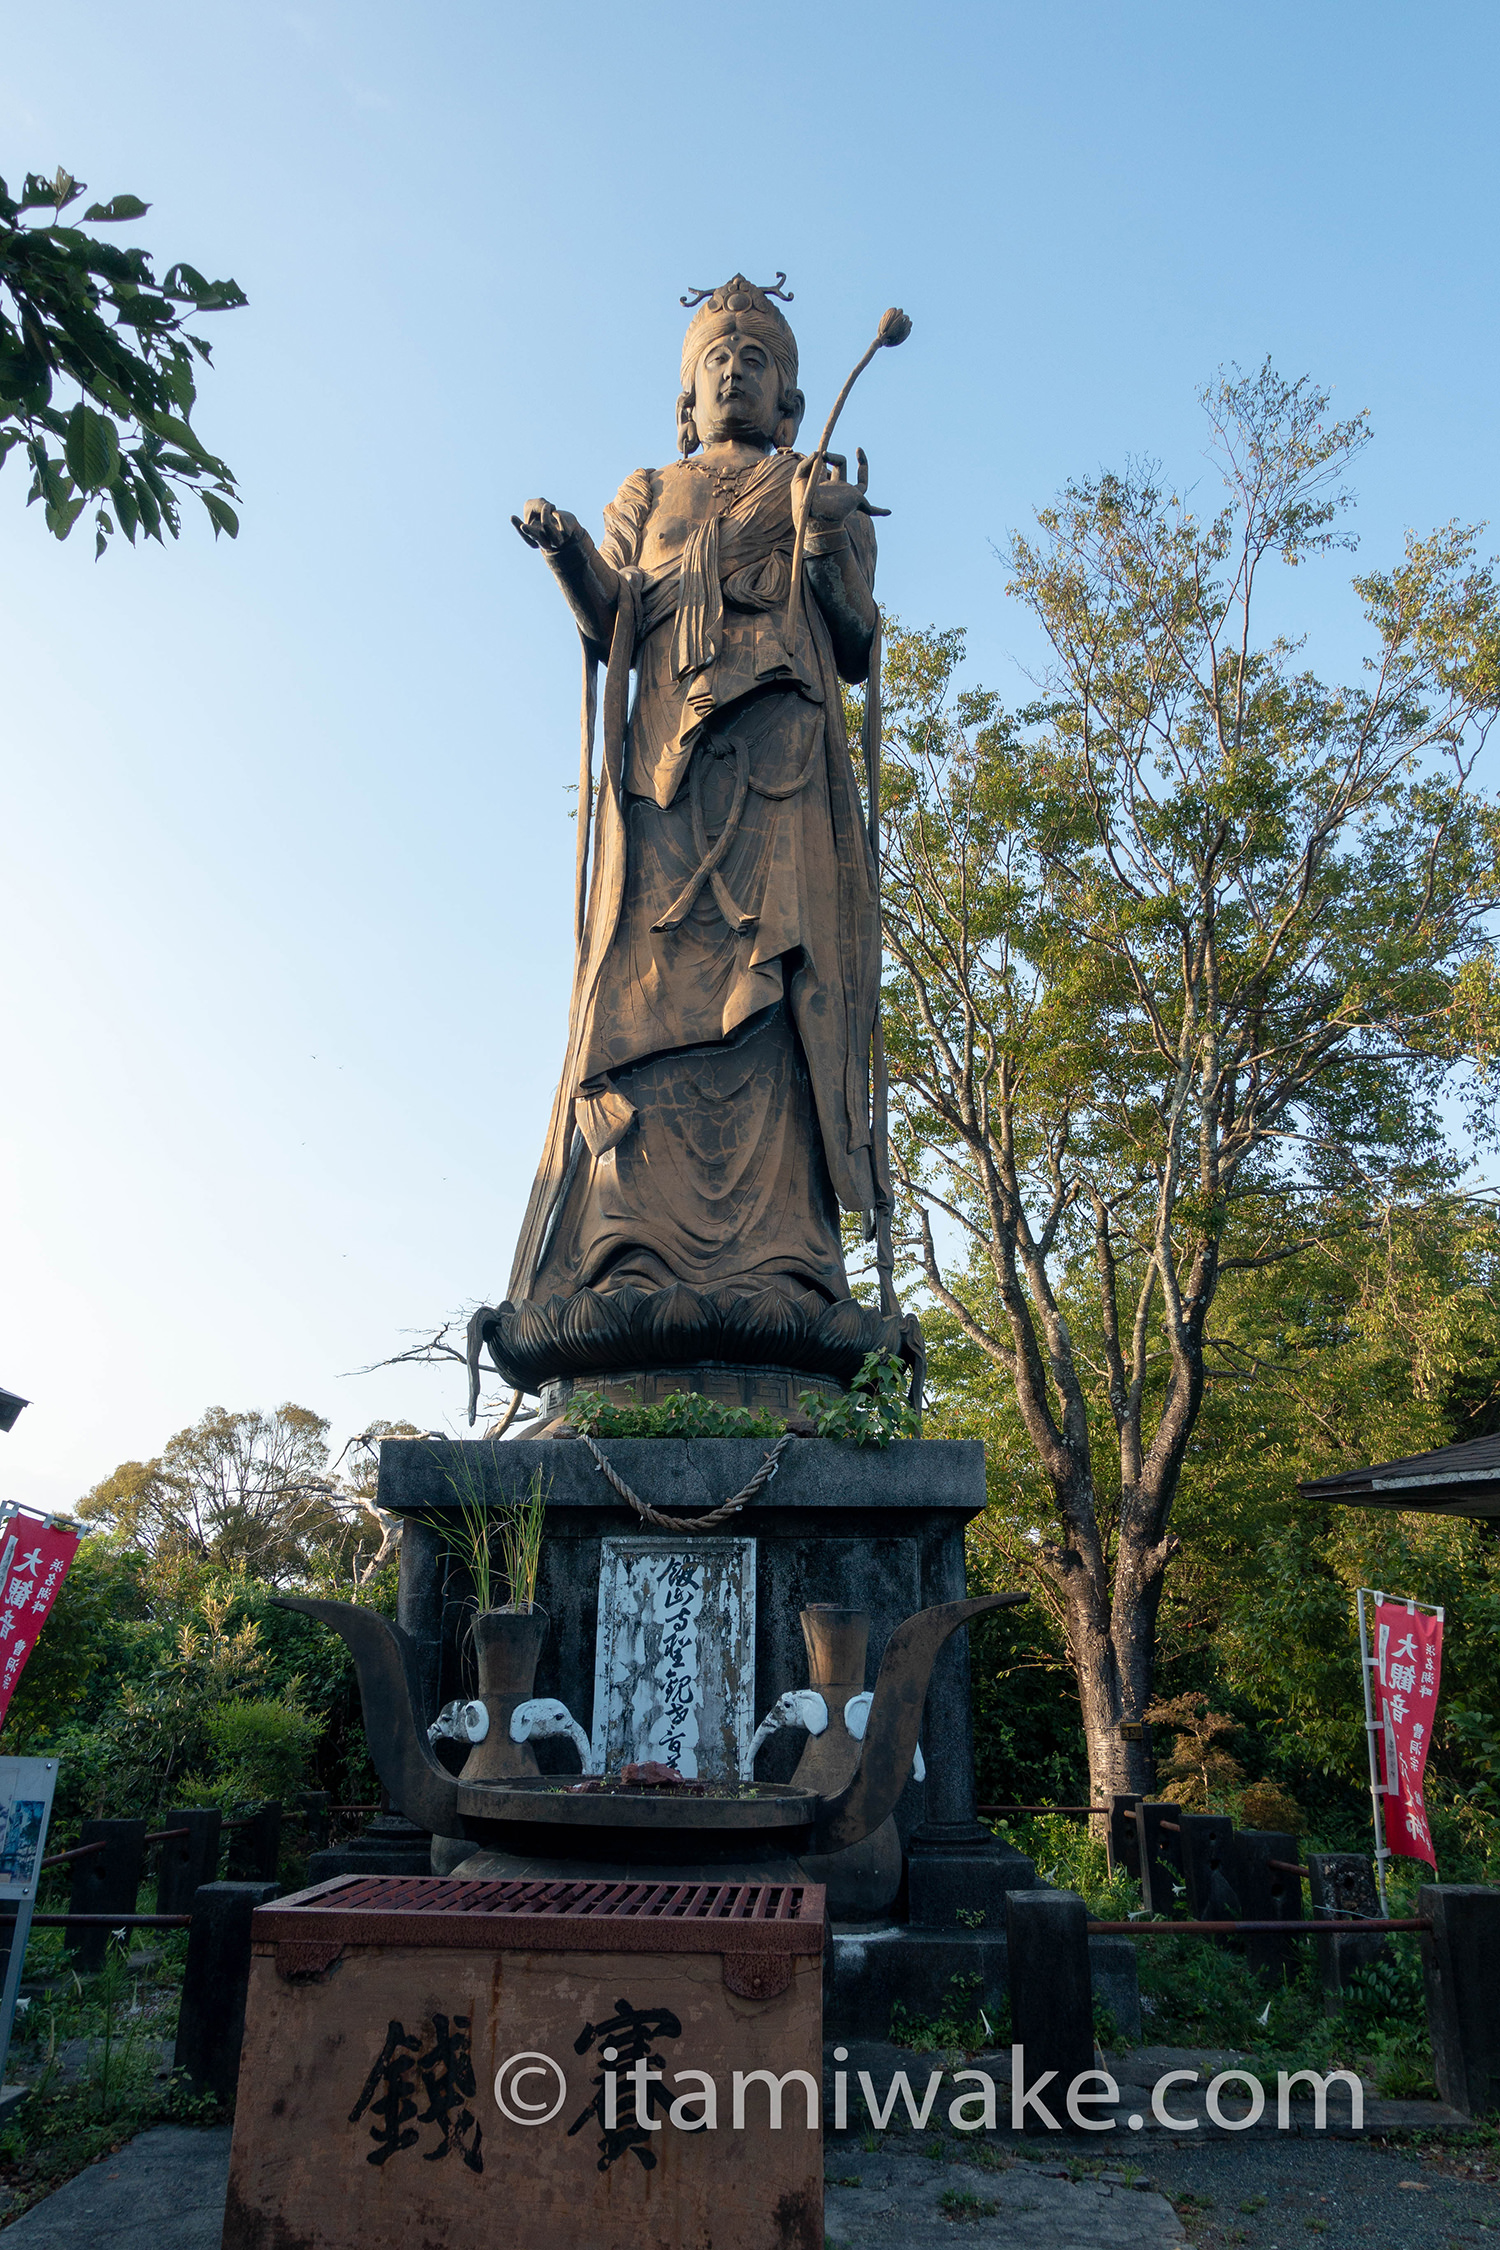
(961, 1885)
(1461, 1967)
(873, 1528)
(871, 1969)
(388, 1846)
(1115, 1982)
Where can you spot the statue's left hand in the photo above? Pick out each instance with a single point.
(834, 498)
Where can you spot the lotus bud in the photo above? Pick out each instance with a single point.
(895, 326)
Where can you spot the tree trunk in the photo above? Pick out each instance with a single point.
(1112, 1646)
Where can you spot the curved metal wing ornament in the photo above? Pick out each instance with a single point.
(895, 1721)
(385, 1658)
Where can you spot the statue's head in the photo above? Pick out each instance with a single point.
(739, 368)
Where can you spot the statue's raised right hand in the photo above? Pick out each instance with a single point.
(542, 525)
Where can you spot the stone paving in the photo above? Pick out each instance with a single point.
(1248, 2191)
(904, 2199)
(917, 2189)
(163, 2191)
(1258, 2192)
(1261, 2188)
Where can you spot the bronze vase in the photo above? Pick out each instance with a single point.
(507, 1644)
(864, 1880)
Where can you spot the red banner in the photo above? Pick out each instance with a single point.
(34, 1558)
(1408, 1655)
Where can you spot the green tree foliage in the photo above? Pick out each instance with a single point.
(252, 1492)
(1379, 1340)
(90, 316)
(164, 1680)
(91, 1635)
(209, 1721)
(1198, 1770)
(1184, 959)
(167, 1673)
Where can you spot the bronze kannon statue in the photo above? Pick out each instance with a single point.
(721, 1099)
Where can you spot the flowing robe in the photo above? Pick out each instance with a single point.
(714, 1106)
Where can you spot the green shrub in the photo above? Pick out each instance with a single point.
(684, 1414)
(256, 1750)
(962, 2024)
(873, 1410)
(142, 1659)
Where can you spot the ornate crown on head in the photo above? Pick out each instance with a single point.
(740, 303)
(738, 295)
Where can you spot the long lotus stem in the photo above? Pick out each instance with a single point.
(894, 329)
(813, 475)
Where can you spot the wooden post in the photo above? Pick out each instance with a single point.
(1267, 1894)
(187, 1861)
(1461, 1968)
(211, 2018)
(106, 1882)
(1207, 1841)
(255, 1847)
(1051, 2001)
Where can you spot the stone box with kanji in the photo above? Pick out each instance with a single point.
(440, 2060)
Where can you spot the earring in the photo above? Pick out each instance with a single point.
(795, 406)
(687, 429)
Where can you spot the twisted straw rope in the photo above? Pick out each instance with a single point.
(757, 1484)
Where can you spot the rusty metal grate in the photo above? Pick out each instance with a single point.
(450, 1894)
(599, 1916)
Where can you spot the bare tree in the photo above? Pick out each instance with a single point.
(437, 1349)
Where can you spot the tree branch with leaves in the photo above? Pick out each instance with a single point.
(81, 314)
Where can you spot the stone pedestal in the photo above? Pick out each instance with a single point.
(873, 1528)
(958, 1874)
(878, 1529)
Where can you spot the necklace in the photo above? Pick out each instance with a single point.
(728, 483)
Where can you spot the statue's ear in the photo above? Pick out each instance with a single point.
(688, 440)
(793, 407)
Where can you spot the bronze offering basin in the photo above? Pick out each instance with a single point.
(548, 1818)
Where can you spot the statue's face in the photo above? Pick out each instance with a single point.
(736, 390)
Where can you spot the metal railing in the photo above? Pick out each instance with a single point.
(1145, 1841)
(1257, 1929)
(111, 1921)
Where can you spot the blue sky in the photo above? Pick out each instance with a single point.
(285, 861)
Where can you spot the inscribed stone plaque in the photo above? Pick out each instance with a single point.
(674, 1663)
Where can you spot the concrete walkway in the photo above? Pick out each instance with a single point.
(937, 2190)
(164, 2191)
(885, 2200)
